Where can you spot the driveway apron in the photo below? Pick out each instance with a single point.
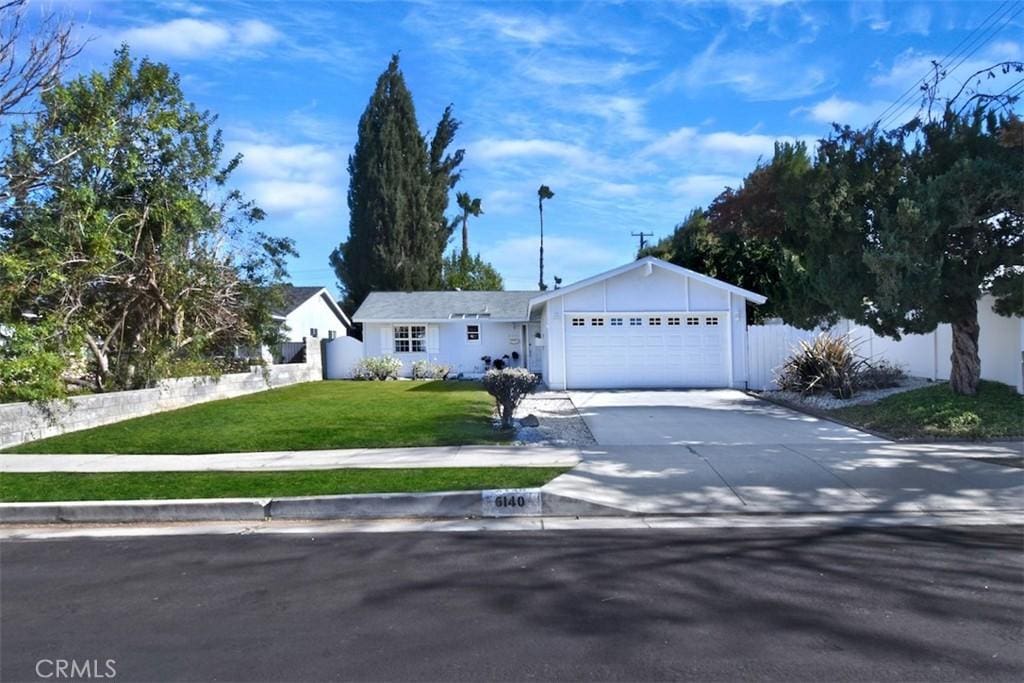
(707, 451)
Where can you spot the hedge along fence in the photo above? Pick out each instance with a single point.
(21, 422)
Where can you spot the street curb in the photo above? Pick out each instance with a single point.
(127, 511)
(440, 505)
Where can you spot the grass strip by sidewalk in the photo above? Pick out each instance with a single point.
(60, 486)
(935, 412)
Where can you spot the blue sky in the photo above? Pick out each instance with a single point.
(633, 112)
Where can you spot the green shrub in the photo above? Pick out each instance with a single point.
(377, 368)
(424, 369)
(509, 386)
(880, 374)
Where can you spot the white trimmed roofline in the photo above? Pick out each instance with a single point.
(753, 297)
(414, 321)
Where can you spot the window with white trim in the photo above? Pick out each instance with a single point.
(597, 322)
(578, 322)
(636, 322)
(410, 338)
(692, 320)
(654, 322)
(331, 334)
(711, 321)
(473, 334)
(673, 321)
(615, 322)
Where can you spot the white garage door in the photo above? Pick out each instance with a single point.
(626, 350)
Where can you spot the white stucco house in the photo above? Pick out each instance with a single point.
(311, 312)
(648, 323)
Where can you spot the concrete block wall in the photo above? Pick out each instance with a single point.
(21, 422)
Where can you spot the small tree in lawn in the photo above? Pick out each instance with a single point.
(509, 387)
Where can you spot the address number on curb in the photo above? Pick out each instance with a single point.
(511, 502)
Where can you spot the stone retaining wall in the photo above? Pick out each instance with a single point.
(21, 422)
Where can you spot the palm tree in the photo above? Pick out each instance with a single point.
(470, 207)
(543, 192)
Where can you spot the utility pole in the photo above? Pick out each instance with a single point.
(642, 235)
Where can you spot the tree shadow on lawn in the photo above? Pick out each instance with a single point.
(447, 386)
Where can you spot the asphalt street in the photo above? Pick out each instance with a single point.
(896, 603)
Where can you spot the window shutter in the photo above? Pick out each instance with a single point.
(387, 346)
(433, 334)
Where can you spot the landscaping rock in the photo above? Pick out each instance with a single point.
(530, 421)
(828, 402)
(558, 421)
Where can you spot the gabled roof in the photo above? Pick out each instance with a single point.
(648, 262)
(444, 306)
(296, 296)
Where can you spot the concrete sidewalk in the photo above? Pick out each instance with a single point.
(390, 458)
(816, 478)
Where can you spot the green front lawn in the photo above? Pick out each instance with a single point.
(60, 486)
(315, 415)
(935, 412)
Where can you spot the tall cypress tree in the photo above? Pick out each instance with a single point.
(397, 196)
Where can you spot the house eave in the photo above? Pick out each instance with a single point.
(413, 321)
(648, 262)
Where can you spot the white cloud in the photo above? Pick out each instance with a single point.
(918, 19)
(911, 65)
(532, 30)
(493, 149)
(846, 112)
(702, 186)
(296, 179)
(675, 143)
(186, 38)
(622, 113)
(551, 70)
(618, 189)
(717, 148)
(779, 74)
(738, 143)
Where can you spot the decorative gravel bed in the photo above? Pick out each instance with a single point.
(829, 402)
(560, 422)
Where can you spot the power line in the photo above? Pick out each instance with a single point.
(920, 81)
(974, 46)
(909, 97)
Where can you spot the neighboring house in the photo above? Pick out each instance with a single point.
(646, 324)
(311, 312)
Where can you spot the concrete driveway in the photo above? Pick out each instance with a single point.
(722, 451)
(723, 417)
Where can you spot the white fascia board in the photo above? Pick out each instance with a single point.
(415, 321)
(671, 267)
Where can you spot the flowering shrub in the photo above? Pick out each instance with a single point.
(377, 368)
(424, 369)
(508, 387)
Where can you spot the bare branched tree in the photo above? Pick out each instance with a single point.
(31, 64)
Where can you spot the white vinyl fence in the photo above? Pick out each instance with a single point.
(1001, 346)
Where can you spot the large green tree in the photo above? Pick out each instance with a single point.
(470, 273)
(124, 251)
(398, 195)
(902, 230)
(753, 264)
